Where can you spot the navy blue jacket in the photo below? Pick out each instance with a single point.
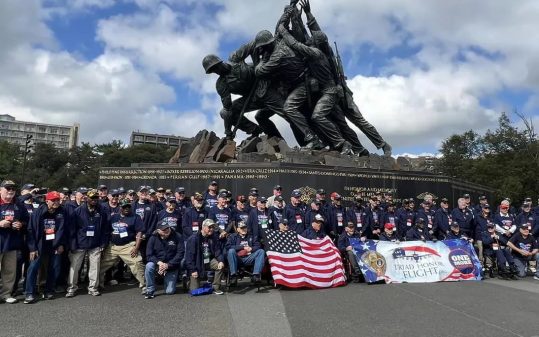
(310, 214)
(465, 219)
(276, 216)
(110, 211)
(428, 216)
(258, 221)
(11, 239)
(296, 217)
(452, 236)
(211, 200)
(194, 257)
(414, 234)
(42, 222)
(192, 220)
(337, 219)
(481, 226)
(356, 215)
(373, 219)
(236, 242)
(344, 240)
(148, 213)
(394, 237)
(82, 222)
(406, 220)
(442, 221)
(311, 234)
(170, 250)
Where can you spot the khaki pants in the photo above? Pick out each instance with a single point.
(195, 282)
(113, 253)
(8, 269)
(479, 248)
(76, 258)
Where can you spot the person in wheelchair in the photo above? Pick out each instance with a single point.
(454, 233)
(244, 249)
(347, 250)
(495, 250)
(389, 234)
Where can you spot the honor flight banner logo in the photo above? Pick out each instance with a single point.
(417, 261)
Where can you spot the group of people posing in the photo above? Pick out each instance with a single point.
(166, 233)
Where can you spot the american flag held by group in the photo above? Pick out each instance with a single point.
(207, 241)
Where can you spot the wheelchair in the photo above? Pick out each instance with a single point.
(349, 270)
(490, 262)
(246, 273)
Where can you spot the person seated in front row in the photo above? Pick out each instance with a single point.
(495, 249)
(315, 232)
(346, 248)
(203, 254)
(454, 233)
(418, 232)
(244, 249)
(164, 252)
(389, 234)
(524, 249)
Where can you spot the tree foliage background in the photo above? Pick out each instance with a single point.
(48, 166)
(506, 159)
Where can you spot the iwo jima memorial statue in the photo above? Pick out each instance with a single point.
(293, 73)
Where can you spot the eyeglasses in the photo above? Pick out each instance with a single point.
(9, 188)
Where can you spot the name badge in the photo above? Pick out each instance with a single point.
(264, 223)
(298, 218)
(206, 260)
(495, 246)
(49, 234)
(409, 224)
(123, 232)
(195, 226)
(339, 219)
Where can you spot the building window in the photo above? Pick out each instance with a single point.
(150, 139)
(42, 129)
(138, 138)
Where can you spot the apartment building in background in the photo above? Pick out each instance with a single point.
(61, 136)
(141, 138)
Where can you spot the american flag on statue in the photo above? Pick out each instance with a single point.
(297, 262)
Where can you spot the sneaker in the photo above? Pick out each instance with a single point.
(48, 296)
(29, 299)
(113, 282)
(11, 300)
(70, 294)
(218, 292)
(536, 278)
(142, 290)
(94, 293)
(149, 296)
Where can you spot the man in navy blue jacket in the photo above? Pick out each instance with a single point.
(294, 213)
(346, 248)
(315, 231)
(46, 240)
(203, 254)
(194, 216)
(243, 248)
(13, 218)
(165, 251)
(87, 235)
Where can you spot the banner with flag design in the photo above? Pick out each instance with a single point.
(297, 262)
(417, 261)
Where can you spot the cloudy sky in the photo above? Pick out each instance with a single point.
(420, 70)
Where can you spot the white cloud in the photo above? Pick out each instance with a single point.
(462, 57)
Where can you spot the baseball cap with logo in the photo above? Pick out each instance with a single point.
(296, 194)
(92, 194)
(319, 218)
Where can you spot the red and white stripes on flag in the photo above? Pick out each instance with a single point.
(317, 265)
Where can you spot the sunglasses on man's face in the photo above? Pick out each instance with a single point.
(9, 188)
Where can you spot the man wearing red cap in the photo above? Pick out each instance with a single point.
(46, 240)
(389, 234)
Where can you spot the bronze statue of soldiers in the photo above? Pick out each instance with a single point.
(319, 80)
(234, 78)
(350, 109)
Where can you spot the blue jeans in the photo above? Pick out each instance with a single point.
(53, 272)
(523, 263)
(256, 259)
(171, 277)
